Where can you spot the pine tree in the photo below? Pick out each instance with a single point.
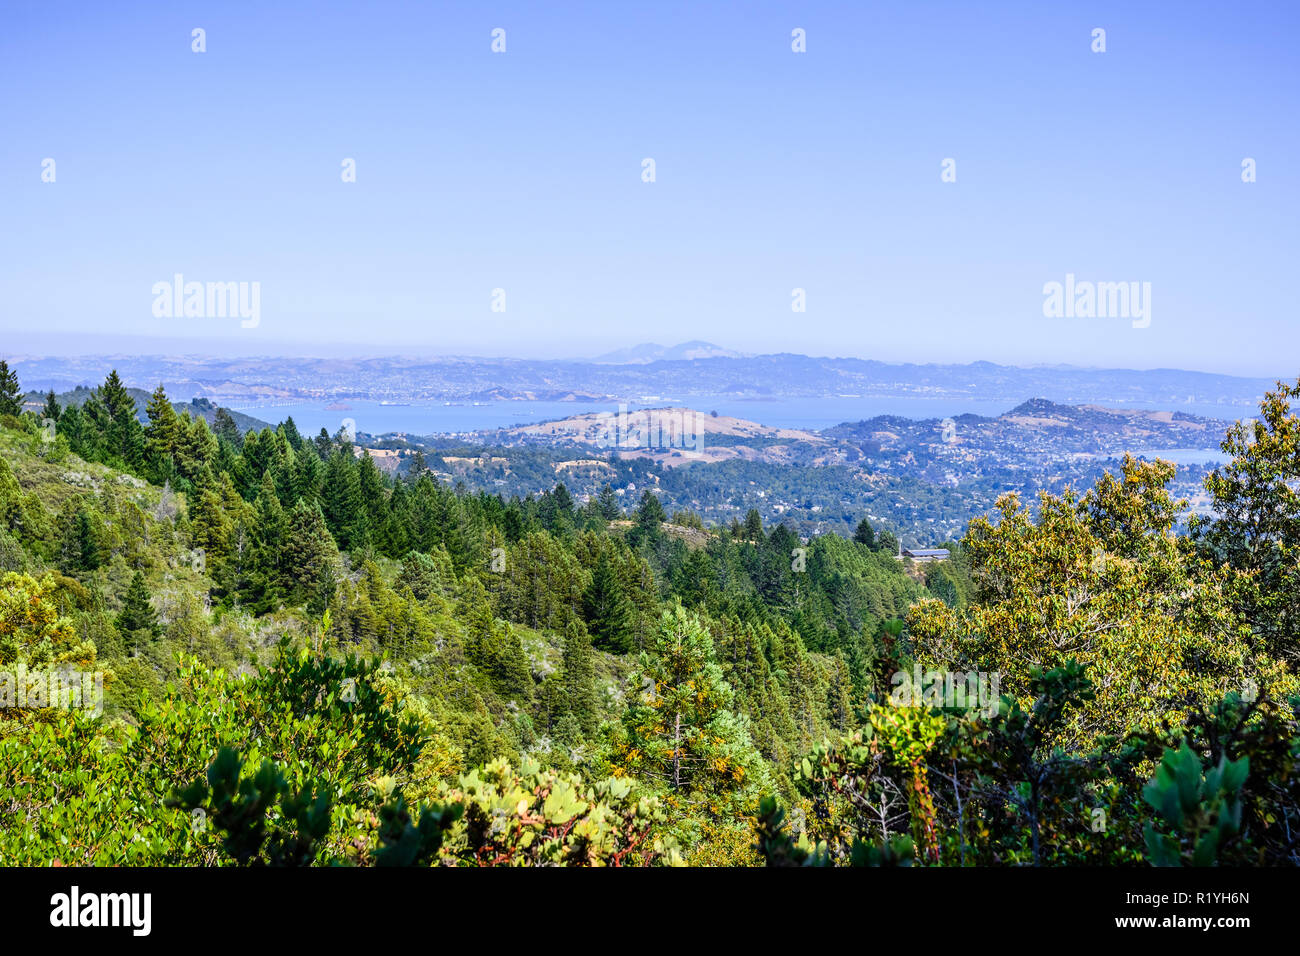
(138, 621)
(678, 730)
(753, 529)
(374, 501)
(578, 674)
(82, 550)
(420, 574)
(289, 428)
(497, 652)
(563, 501)
(649, 516)
(307, 475)
(417, 466)
(196, 445)
(865, 534)
(210, 525)
(52, 409)
(162, 436)
(606, 609)
(11, 396)
(310, 557)
(341, 500)
(123, 434)
(264, 588)
(607, 504)
(223, 425)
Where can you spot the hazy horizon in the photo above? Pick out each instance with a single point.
(191, 349)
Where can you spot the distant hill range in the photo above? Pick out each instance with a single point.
(690, 370)
(196, 408)
(1034, 434)
(650, 352)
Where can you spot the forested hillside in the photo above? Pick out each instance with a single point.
(306, 660)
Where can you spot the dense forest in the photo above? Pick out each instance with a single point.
(305, 660)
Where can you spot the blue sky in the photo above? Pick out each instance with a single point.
(774, 170)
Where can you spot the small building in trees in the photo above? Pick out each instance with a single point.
(924, 555)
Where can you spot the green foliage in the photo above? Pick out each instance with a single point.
(606, 609)
(560, 686)
(1200, 810)
(138, 620)
(10, 393)
(779, 849)
(238, 805)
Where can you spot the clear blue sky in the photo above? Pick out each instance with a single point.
(775, 170)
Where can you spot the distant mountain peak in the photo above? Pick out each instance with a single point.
(648, 352)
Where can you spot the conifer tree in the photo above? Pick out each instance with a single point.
(138, 621)
(606, 608)
(123, 434)
(419, 575)
(196, 446)
(374, 501)
(341, 501)
(607, 504)
(162, 436)
(224, 427)
(82, 550)
(678, 729)
(11, 395)
(578, 673)
(264, 589)
(310, 556)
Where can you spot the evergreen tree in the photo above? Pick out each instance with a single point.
(210, 525)
(11, 396)
(865, 534)
(606, 609)
(563, 503)
(649, 516)
(264, 588)
(196, 445)
(123, 434)
(417, 466)
(223, 425)
(138, 621)
(52, 409)
(81, 549)
(310, 557)
(578, 674)
(678, 730)
(374, 501)
(308, 474)
(289, 428)
(497, 652)
(162, 436)
(607, 504)
(341, 500)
